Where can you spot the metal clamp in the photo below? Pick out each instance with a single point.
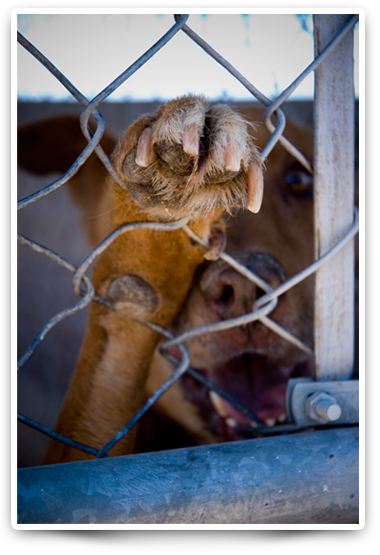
(311, 403)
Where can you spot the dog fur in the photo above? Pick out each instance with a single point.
(251, 362)
(189, 161)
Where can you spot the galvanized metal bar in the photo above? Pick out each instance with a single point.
(334, 199)
(309, 478)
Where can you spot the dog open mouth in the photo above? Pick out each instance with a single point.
(256, 395)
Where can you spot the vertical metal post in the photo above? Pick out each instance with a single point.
(334, 200)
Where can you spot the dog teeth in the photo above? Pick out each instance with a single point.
(231, 422)
(218, 405)
(216, 400)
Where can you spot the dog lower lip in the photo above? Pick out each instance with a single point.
(233, 417)
(255, 382)
(231, 412)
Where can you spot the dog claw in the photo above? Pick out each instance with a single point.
(255, 188)
(144, 151)
(232, 158)
(190, 141)
(231, 422)
(270, 422)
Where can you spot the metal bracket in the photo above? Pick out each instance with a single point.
(311, 403)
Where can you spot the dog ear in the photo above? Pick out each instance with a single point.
(53, 145)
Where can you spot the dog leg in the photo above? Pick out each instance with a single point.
(185, 161)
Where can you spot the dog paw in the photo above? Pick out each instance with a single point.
(191, 159)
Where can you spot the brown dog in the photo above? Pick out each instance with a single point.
(251, 363)
(186, 161)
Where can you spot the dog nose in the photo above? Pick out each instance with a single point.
(229, 293)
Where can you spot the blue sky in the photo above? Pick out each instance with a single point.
(91, 50)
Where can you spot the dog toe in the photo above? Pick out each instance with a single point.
(175, 158)
(177, 133)
(194, 160)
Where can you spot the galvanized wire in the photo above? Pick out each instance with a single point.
(91, 106)
(88, 296)
(89, 149)
(272, 294)
(271, 109)
(261, 308)
(281, 121)
(54, 435)
(158, 226)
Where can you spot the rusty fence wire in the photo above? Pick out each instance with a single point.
(82, 285)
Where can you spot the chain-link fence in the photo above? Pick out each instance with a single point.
(263, 306)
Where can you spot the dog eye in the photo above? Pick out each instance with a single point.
(299, 183)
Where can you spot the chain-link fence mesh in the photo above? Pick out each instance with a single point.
(82, 285)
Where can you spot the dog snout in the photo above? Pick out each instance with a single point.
(229, 293)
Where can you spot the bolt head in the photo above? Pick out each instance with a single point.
(322, 407)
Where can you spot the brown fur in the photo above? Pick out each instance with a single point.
(281, 232)
(109, 379)
(251, 362)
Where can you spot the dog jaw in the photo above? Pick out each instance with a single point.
(255, 382)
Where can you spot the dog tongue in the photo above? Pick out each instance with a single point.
(254, 381)
(257, 383)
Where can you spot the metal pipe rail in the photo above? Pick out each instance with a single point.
(306, 478)
(309, 478)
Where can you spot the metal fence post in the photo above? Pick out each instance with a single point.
(334, 200)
